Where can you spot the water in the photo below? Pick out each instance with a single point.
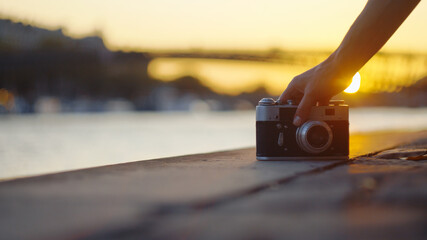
(37, 144)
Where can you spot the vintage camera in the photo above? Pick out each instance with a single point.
(324, 136)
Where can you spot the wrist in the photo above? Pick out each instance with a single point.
(340, 69)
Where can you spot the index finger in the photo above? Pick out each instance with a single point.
(287, 94)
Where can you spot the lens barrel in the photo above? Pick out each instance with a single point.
(314, 136)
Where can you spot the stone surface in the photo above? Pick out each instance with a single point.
(361, 200)
(227, 195)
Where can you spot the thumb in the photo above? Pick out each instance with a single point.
(303, 110)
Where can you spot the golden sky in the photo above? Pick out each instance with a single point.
(219, 24)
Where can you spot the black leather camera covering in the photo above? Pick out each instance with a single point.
(267, 134)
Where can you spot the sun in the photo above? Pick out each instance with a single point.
(355, 84)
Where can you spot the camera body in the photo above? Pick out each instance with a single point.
(325, 136)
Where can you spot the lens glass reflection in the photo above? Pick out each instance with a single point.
(317, 136)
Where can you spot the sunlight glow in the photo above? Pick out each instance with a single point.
(355, 84)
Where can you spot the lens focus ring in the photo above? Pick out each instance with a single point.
(314, 136)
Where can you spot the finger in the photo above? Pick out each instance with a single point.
(303, 110)
(323, 102)
(287, 94)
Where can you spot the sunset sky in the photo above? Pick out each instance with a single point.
(219, 24)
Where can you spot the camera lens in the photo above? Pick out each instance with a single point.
(317, 136)
(314, 136)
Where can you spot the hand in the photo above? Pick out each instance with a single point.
(318, 84)
(371, 30)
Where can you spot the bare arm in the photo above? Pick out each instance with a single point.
(371, 30)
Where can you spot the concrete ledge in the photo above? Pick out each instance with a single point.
(223, 195)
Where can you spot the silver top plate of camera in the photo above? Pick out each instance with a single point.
(269, 110)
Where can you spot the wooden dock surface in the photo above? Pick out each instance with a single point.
(230, 195)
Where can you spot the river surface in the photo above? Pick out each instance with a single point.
(47, 143)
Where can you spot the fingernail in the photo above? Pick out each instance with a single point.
(297, 121)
